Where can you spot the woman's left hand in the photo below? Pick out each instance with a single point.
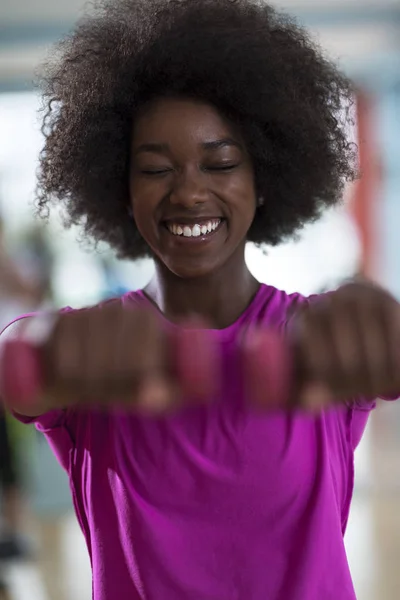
(347, 344)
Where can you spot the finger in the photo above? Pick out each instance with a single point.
(126, 370)
(155, 395)
(100, 340)
(375, 334)
(362, 334)
(391, 325)
(349, 370)
(97, 340)
(63, 356)
(315, 397)
(135, 364)
(314, 351)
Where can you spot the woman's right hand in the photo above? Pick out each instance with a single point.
(123, 356)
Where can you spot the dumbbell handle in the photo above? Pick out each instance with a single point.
(265, 356)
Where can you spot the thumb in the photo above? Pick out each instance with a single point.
(315, 397)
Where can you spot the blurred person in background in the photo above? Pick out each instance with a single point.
(34, 259)
(16, 293)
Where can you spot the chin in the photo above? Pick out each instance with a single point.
(191, 270)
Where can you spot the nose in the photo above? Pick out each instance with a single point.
(189, 189)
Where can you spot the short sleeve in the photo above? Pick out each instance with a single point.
(361, 409)
(360, 413)
(60, 429)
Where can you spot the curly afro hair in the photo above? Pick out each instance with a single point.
(257, 66)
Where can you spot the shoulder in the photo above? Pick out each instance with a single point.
(134, 298)
(19, 322)
(275, 307)
(129, 298)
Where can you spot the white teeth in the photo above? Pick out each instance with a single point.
(195, 230)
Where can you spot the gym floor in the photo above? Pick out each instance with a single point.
(373, 537)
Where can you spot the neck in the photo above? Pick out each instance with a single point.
(218, 298)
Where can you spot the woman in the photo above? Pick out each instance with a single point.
(182, 130)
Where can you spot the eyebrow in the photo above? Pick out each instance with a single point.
(216, 144)
(156, 148)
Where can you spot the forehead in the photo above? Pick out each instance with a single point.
(180, 120)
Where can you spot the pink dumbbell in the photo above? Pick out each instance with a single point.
(266, 360)
(268, 368)
(21, 373)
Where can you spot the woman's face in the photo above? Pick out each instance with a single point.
(191, 184)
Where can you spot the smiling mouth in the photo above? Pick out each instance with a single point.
(194, 230)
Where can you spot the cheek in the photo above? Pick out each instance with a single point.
(242, 190)
(245, 203)
(143, 219)
(144, 208)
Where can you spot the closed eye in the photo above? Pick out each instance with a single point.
(229, 167)
(155, 171)
(214, 168)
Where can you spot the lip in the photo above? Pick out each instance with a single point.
(190, 220)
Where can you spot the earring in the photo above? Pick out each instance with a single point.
(260, 201)
(130, 212)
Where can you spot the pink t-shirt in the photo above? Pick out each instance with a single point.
(218, 502)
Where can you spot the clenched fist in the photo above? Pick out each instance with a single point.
(338, 346)
(347, 344)
(122, 356)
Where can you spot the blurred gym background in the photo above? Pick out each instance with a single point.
(42, 556)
